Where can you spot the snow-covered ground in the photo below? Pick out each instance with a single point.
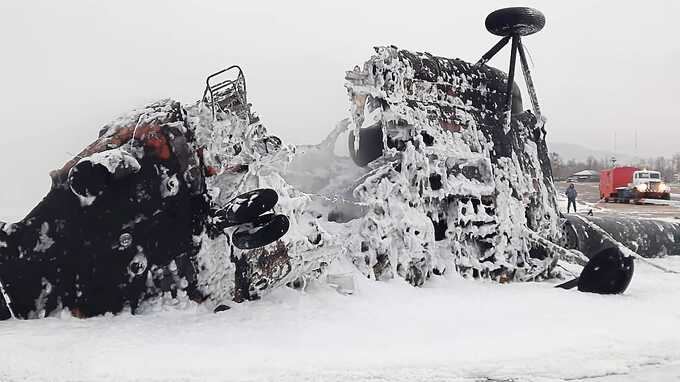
(581, 207)
(589, 198)
(452, 329)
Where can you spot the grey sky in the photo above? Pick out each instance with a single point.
(67, 67)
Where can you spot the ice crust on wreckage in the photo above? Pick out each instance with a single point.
(482, 193)
(104, 218)
(475, 197)
(146, 214)
(125, 222)
(472, 193)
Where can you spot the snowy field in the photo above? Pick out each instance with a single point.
(450, 330)
(589, 199)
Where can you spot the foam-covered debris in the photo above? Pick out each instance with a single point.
(451, 192)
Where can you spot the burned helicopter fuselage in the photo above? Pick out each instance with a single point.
(137, 216)
(133, 215)
(118, 223)
(456, 177)
(436, 130)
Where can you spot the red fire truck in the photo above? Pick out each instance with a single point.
(625, 184)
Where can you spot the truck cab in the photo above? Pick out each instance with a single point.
(650, 184)
(626, 184)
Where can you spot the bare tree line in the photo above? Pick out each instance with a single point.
(562, 169)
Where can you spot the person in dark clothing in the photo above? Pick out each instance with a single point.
(571, 197)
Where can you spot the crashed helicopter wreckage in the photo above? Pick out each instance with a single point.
(200, 203)
(124, 221)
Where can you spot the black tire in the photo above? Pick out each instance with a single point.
(249, 206)
(264, 230)
(521, 21)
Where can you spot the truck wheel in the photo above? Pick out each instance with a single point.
(521, 21)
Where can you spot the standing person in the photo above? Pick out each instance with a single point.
(571, 197)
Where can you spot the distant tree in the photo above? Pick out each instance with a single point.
(668, 167)
(675, 164)
(591, 162)
(665, 167)
(557, 165)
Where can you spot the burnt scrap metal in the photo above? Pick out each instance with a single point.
(227, 94)
(93, 243)
(648, 237)
(125, 221)
(448, 157)
(608, 272)
(512, 23)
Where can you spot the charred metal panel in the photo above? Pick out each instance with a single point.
(117, 225)
(450, 158)
(647, 237)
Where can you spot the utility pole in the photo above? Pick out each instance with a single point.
(614, 143)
